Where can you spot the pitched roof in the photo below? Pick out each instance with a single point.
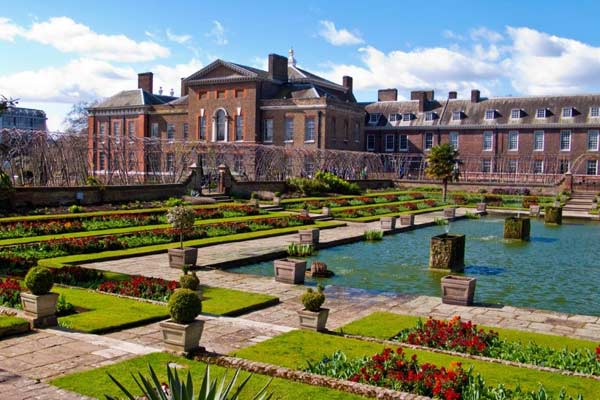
(244, 70)
(133, 98)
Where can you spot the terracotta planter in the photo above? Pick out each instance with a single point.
(326, 211)
(447, 251)
(388, 223)
(181, 338)
(517, 228)
(40, 308)
(407, 219)
(313, 320)
(458, 290)
(289, 270)
(534, 210)
(482, 207)
(449, 212)
(309, 236)
(179, 257)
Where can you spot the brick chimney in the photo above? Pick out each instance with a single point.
(347, 83)
(475, 96)
(183, 87)
(387, 95)
(421, 96)
(278, 67)
(145, 81)
(452, 95)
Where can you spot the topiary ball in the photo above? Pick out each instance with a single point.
(189, 281)
(39, 280)
(312, 300)
(184, 306)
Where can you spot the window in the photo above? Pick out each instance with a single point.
(170, 131)
(309, 130)
(238, 164)
(407, 116)
(154, 132)
(131, 129)
(488, 140)
(356, 132)
(403, 143)
(203, 95)
(268, 131)
(239, 93)
(538, 166)
(346, 131)
(374, 118)
(538, 140)
(567, 112)
(221, 94)
(515, 113)
(131, 161)
(456, 115)
(101, 161)
(289, 129)
(202, 128)
(513, 140)
(117, 131)
(428, 141)
(565, 140)
(394, 117)
(453, 138)
(564, 166)
(490, 114)
(389, 142)
(239, 128)
(101, 133)
(512, 166)
(593, 140)
(221, 125)
(309, 167)
(592, 167)
(595, 112)
(186, 130)
(370, 142)
(170, 162)
(430, 116)
(486, 166)
(540, 113)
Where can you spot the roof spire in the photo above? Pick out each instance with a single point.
(291, 59)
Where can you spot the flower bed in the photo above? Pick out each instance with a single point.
(10, 293)
(384, 209)
(354, 201)
(142, 287)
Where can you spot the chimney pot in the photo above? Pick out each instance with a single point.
(160, 91)
(145, 81)
(452, 95)
(475, 96)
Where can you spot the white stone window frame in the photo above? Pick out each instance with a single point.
(490, 115)
(429, 116)
(567, 112)
(594, 112)
(457, 115)
(386, 138)
(560, 139)
(541, 113)
(267, 130)
(543, 135)
(374, 118)
(484, 162)
(453, 139)
(370, 142)
(541, 164)
(515, 113)
(310, 121)
(427, 135)
(587, 167)
(286, 126)
(490, 135)
(407, 117)
(516, 165)
(155, 133)
(394, 117)
(512, 134)
(215, 127)
(171, 132)
(239, 127)
(402, 138)
(593, 132)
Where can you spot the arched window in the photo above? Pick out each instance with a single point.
(221, 125)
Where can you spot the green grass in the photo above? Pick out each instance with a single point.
(96, 383)
(108, 313)
(131, 229)
(8, 321)
(372, 218)
(385, 325)
(161, 248)
(316, 198)
(294, 349)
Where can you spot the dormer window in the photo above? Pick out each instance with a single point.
(595, 112)
(374, 118)
(516, 113)
(407, 116)
(567, 112)
(430, 116)
(457, 115)
(541, 113)
(394, 118)
(490, 114)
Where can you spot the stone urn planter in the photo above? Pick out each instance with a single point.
(482, 207)
(388, 223)
(40, 308)
(181, 333)
(447, 251)
(277, 201)
(313, 320)
(309, 236)
(534, 210)
(449, 212)
(179, 257)
(326, 211)
(517, 228)
(458, 290)
(407, 219)
(289, 270)
(553, 215)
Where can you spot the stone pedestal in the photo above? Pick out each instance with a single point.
(179, 257)
(534, 210)
(407, 219)
(277, 201)
(289, 270)
(313, 320)
(449, 212)
(41, 309)
(517, 228)
(326, 211)
(309, 236)
(553, 215)
(458, 290)
(388, 223)
(482, 207)
(181, 338)
(447, 251)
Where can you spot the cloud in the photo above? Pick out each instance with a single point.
(181, 39)
(169, 77)
(9, 30)
(68, 36)
(483, 33)
(448, 34)
(341, 37)
(217, 33)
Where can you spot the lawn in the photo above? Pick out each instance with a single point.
(96, 383)
(107, 313)
(385, 325)
(294, 349)
(10, 325)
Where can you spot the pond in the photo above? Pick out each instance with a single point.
(558, 269)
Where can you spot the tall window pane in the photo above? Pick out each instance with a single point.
(538, 140)
(565, 140)
(453, 137)
(593, 140)
(239, 128)
(309, 130)
(221, 125)
(488, 139)
(513, 140)
(289, 129)
(268, 130)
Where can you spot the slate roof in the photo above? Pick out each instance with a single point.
(133, 98)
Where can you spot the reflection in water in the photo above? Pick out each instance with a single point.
(483, 270)
(540, 239)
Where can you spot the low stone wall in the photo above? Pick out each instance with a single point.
(535, 189)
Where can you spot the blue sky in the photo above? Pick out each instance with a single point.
(57, 53)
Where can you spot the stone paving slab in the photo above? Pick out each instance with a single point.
(17, 387)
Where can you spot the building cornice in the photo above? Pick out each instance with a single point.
(483, 127)
(95, 112)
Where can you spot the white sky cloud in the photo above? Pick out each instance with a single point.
(9, 30)
(181, 39)
(338, 37)
(217, 33)
(448, 34)
(483, 33)
(169, 77)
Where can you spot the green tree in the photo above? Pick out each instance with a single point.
(442, 164)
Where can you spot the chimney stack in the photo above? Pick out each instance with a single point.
(387, 95)
(183, 87)
(145, 81)
(421, 96)
(475, 96)
(347, 83)
(452, 95)
(278, 67)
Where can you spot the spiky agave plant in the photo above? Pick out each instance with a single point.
(178, 389)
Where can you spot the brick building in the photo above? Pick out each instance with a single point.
(225, 102)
